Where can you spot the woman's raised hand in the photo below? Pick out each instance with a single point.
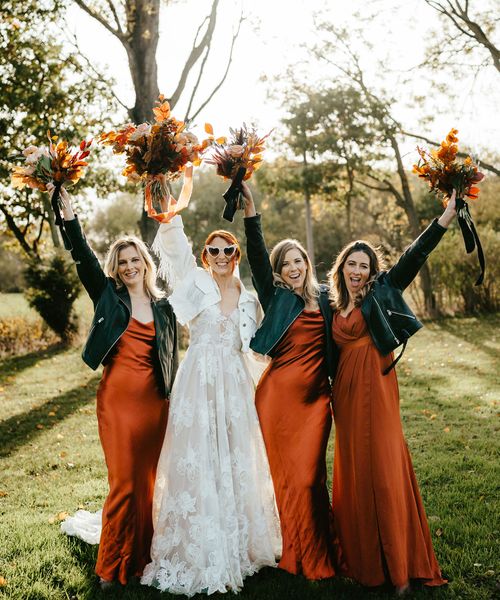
(66, 208)
(450, 211)
(248, 199)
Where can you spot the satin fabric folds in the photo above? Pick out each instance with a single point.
(293, 403)
(132, 418)
(379, 515)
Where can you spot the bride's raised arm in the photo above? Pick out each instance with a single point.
(174, 250)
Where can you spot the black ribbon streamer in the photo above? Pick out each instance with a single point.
(234, 195)
(59, 220)
(469, 233)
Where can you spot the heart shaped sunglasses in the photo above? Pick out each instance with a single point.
(228, 250)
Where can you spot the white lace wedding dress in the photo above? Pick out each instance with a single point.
(215, 515)
(214, 511)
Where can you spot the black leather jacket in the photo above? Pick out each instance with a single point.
(390, 320)
(281, 306)
(113, 310)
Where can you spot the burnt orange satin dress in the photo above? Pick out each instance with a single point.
(132, 418)
(378, 513)
(293, 402)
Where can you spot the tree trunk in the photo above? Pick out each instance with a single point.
(54, 233)
(407, 204)
(309, 231)
(307, 201)
(143, 19)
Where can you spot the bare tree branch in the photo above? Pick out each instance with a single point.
(196, 52)
(114, 12)
(95, 15)
(198, 79)
(484, 165)
(16, 231)
(221, 82)
(97, 73)
(462, 20)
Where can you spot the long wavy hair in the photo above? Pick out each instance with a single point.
(112, 258)
(228, 237)
(310, 290)
(339, 295)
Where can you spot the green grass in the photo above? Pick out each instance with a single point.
(15, 305)
(51, 462)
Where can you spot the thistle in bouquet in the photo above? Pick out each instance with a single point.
(156, 155)
(57, 165)
(236, 158)
(444, 172)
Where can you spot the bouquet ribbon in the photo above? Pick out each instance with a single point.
(174, 206)
(55, 202)
(470, 236)
(232, 195)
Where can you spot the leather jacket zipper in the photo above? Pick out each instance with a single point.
(112, 345)
(94, 326)
(386, 321)
(393, 312)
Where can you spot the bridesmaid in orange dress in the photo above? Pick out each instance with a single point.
(133, 335)
(378, 512)
(132, 418)
(293, 398)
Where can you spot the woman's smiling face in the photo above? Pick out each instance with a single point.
(222, 263)
(131, 267)
(356, 271)
(294, 270)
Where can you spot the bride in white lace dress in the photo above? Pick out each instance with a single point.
(215, 515)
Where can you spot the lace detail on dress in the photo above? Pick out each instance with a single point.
(214, 510)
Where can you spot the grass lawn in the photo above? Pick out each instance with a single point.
(52, 463)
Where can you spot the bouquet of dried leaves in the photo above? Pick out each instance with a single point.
(444, 173)
(156, 155)
(236, 158)
(56, 164)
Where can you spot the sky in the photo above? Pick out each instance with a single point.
(274, 38)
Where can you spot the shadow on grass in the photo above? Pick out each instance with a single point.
(473, 330)
(20, 429)
(16, 364)
(268, 584)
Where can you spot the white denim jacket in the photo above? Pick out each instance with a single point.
(194, 289)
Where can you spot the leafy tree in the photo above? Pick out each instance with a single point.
(119, 217)
(44, 86)
(53, 288)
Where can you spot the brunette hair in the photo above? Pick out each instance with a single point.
(112, 259)
(339, 295)
(311, 288)
(228, 237)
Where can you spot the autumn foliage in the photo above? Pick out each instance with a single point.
(444, 171)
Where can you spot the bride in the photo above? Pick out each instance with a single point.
(214, 511)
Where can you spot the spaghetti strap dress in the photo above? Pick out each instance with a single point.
(378, 512)
(132, 418)
(293, 401)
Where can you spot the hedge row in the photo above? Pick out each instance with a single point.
(20, 335)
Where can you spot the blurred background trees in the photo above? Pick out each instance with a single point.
(338, 164)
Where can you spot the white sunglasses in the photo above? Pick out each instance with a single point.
(228, 250)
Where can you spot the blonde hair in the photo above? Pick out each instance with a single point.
(310, 291)
(339, 295)
(112, 258)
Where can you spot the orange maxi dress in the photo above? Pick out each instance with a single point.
(378, 513)
(293, 402)
(132, 418)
